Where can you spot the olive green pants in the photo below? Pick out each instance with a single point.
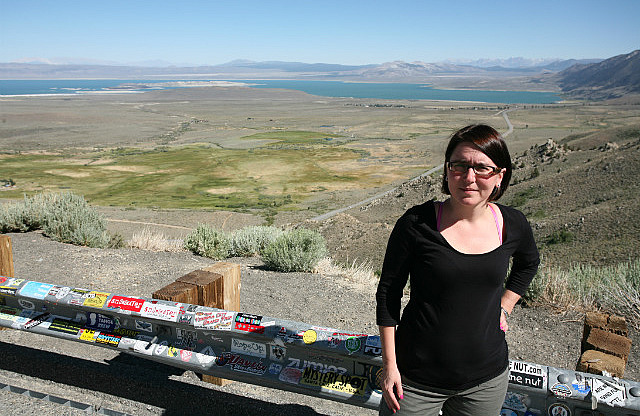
(485, 399)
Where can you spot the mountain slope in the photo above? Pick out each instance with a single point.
(611, 78)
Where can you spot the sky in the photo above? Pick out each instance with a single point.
(341, 32)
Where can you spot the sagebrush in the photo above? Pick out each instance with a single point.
(297, 250)
(207, 241)
(64, 217)
(251, 241)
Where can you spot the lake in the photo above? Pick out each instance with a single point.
(393, 91)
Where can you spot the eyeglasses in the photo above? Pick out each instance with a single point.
(480, 171)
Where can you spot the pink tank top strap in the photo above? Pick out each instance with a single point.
(495, 217)
(439, 216)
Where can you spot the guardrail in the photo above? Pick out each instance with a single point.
(272, 352)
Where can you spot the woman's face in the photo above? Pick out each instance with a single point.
(467, 187)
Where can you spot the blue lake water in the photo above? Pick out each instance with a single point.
(396, 91)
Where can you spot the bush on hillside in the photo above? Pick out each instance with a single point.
(63, 217)
(297, 250)
(251, 241)
(206, 241)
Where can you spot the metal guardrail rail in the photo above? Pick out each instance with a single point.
(272, 352)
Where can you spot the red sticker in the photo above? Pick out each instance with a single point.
(126, 304)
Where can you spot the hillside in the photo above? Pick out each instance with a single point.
(611, 78)
(580, 194)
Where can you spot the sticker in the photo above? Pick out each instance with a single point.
(254, 349)
(277, 353)
(160, 311)
(333, 342)
(144, 326)
(318, 366)
(515, 401)
(290, 375)
(88, 335)
(559, 409)
(125, 303)
(206, 356)
(561, 390)
(344, 383)
(352, 344)
(143, 347)
(185, 355)
(59, 292)
(125, 332)
(9, 314)
(249, 323)
(608, 392)
(213, 320)
(66, 326)
(581, 387)
(372, 345)
(275, 368)
(100, 322)
(528, 375)
(310, 336)
(172, 352)
(108, 339)
(96, 299)
(10, 283)
(26, 304)
(237, 363)
(161, 348)
(35, 290)
(37, 320)
(78, 296)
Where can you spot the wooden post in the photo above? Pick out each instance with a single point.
(216, 286)
(6, 260)
(6, 256)
(226, 295)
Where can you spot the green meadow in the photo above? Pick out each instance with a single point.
(281, 170)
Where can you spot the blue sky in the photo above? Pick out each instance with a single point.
(344, 32)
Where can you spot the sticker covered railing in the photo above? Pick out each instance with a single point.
(320, 361)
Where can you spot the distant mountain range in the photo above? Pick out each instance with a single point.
(32, 68)
(582, 79)
(611, 78)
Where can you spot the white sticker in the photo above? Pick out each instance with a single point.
(608, 392)
(141, 347)
(160, 311)
(161, 348)
(254, 349)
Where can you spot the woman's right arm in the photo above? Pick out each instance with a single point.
(391, 383)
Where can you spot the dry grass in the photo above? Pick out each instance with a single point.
(361, 275)
(614, 289)
(154, 241)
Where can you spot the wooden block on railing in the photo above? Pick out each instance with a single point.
(6, 256)
(178, 292)
(231, 284)
(227, 296)
(210, 287)
(6, 259)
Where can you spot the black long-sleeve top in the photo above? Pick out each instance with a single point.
(449, 335)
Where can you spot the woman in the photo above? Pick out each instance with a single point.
(449, 350)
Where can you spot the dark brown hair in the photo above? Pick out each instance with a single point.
(491, 143)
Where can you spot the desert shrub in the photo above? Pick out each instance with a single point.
(63, 217)
(209, 242)
(559, 237)
(250, 241)
(297, 250)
